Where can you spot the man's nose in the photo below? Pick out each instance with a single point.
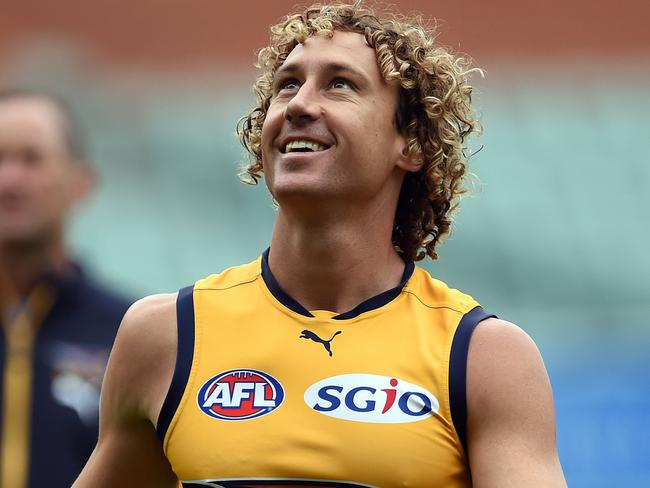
(12, 170)
(305, 105)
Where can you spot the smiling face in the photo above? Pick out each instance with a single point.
(330, 129)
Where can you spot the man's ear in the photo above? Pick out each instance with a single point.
(410, 161)
(84, 182)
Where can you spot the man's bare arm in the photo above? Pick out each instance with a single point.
(129, 453)
(511, 419)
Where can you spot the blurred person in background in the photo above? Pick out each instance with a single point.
(57, 326)
(332, 360)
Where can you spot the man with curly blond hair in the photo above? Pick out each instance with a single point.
(332, 360)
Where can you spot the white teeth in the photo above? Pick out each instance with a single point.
(297, 145)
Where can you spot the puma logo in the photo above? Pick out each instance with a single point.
(308, 334)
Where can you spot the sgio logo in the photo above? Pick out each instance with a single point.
(240, 394)
(371, 398)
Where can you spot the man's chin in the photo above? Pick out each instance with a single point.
(22, 237)
(291, 191)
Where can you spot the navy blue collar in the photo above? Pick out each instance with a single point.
(370, 304)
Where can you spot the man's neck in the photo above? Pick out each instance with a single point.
(21, 264)
(334, 265)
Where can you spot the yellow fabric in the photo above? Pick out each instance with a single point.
(240, 324)
(17, 386)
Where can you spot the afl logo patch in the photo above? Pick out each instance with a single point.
(240, 394)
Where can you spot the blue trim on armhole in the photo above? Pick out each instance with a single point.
(184, 356)
(458, 370)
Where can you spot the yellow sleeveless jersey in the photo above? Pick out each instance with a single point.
(267, 393)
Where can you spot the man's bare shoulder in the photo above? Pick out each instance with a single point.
(139, 372)
(511, 419)
(151, 307)
(501, 334)
(502, 361)
(145, 353)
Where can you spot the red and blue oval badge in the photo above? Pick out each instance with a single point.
(240, 394)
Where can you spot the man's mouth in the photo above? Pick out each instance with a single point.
(303, 146)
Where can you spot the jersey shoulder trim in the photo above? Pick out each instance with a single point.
(184, 357)
(231, 277)
(434, 293)
(458, 370)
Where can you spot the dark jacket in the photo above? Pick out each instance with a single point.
(69, 354)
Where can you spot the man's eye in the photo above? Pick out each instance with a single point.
(32, 157)
(289, 85)
(342, 84)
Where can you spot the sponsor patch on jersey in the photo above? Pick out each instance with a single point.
(371, 398)
(240, 394)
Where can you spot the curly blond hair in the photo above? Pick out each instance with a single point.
(434, 111)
